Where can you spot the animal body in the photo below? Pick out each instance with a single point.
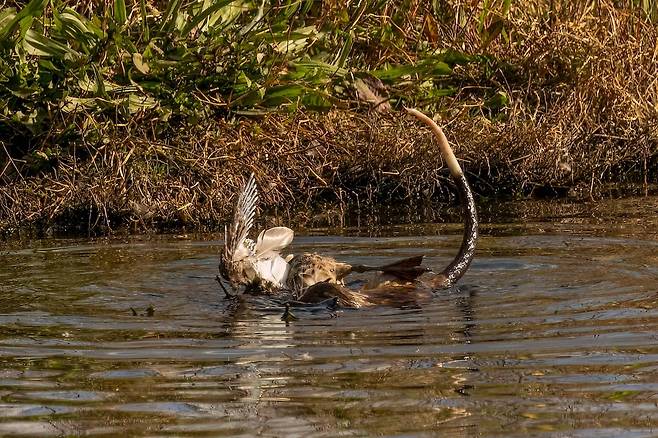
(261, 267)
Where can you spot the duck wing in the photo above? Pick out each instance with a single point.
(243, 220)
(271, 242)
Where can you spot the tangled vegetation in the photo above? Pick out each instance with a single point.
(150, 113)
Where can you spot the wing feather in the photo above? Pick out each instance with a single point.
(273, 240)
(243, 221)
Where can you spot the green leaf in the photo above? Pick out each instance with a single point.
(316, 100)
(120, 13)
(24, 25)
(283, 94)
(327, 69)
(428, 67)
(6, 15)
(139, 103)
(498, 101)
(75, 28)
(45, 64)
(440, 92)
(144, 18)
(396, 72)
(74, 104)
(507, 4)
(346, 49)
(170, 15)
(439, 68)
(32, 9)
(201, 16)
(40, 45)
(453, 57)
(70, 23)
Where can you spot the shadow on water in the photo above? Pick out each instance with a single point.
(553, 332)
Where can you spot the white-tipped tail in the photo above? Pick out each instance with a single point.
(446, 151)
(462, 260)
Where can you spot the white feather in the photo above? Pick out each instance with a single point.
(274, 269)
(258, 260)
(271, 241)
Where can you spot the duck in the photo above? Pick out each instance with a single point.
(260, 267)
(255, 264)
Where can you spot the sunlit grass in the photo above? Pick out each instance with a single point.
(534, 93)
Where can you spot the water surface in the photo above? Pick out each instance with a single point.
(553, 332)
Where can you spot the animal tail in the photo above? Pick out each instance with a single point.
(459, 265)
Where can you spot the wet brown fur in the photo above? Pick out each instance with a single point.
(318, 278)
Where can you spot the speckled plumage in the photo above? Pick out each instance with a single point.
(254, 264)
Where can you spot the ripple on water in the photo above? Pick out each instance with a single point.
(548, 335)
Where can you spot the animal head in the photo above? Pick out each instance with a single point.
(232, 271)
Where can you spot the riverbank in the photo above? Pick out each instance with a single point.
(304, 163)
(133, 119)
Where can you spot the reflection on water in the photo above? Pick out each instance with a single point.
(553, 332)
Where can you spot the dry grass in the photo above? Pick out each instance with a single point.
(191, 179)
(588, 109)
(579, 111)
(583, 99)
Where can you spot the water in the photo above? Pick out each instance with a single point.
(552, 333)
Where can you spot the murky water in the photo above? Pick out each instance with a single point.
(553, 332)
